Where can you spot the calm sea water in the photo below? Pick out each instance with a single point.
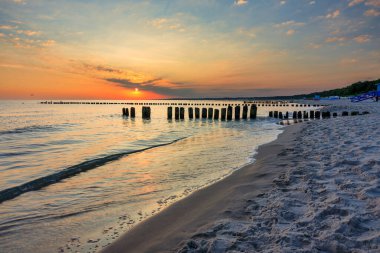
(86, 212)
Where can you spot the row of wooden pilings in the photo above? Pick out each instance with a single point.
(197, 113)
(311, 114)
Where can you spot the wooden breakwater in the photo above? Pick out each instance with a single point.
(203, 109)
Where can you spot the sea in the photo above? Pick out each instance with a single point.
(74, 177)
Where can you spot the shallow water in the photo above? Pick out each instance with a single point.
(89, 210)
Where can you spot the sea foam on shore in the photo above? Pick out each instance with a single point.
(326, 199)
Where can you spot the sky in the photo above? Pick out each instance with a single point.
(96, 49)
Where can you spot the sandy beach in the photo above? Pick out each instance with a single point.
(314, 189)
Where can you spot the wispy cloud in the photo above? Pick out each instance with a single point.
(355, 2)
(333, 14)
(7, 27)
(335, 39)
(375, 3)
(362, 38)
(240, 2)
(290, 32)
(29, 32)
(167, 24)
(372, 13)
(290, 23)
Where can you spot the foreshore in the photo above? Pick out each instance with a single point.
(314, 189)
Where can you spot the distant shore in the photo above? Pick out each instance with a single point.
(314, 188)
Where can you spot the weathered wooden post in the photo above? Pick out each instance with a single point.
(123, 111)
(344, 113)
(271, 114)
(133, 112)
(216, 114)
(146, 112)
(223, 114)
(299, 115)
(245, 112)
(294, 115)
(197, 114)
(335, 114)
(253, 112)
(204, 113)
(280, 115)
(286, 115)
(237, 112)
(210, 113)
(354, 113)
(127, 112)
(305, 115)
(318, 114)
(176, 113)
(312, 114)
(229, 112)
(182, 113)
(275, 114)
(191, 113)
(170, 112)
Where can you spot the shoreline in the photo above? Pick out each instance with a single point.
(167, 229)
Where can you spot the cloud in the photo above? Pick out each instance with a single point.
(375, 3)
(240, 2)
(348, 61)
(29, 32)
(335, 39)
(372, 13)
(102, 68)
(2, 35)
(153, 86)
(290, 23)
(7, 27)
(19, 1)
(290, 32)
(355, 2)
(362, 38)
(314, 46)
(167, 24)
(333, 14)
(312, 2)
(282, 2)
(48, 43)
(247, 32)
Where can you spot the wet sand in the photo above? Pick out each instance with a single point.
(165, 231)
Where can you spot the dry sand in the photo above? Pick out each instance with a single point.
(315, 189)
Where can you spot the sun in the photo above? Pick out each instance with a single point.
(136, 90)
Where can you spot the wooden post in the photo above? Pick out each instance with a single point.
(176, 113)
(191, 113)
(344, 113)
(280, 115)
(354, 113)
(216, 114)
(182, 113)
(299, 115)
(253, 112)
(223, 114)
(237, 112)
(305, 115)
(145, 112)
(197, 114)
(210, 113)
(335, 114)
(294, 115)
(204, 113)
(275, 114)
(170, 112)
(271, 114)
(133, 112)
(229, 112)
(312, 114)
(123, 111)
(318, 114)
(287, 115)
(245, 112)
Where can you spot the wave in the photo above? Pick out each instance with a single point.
(34, 128)
(42, 182)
